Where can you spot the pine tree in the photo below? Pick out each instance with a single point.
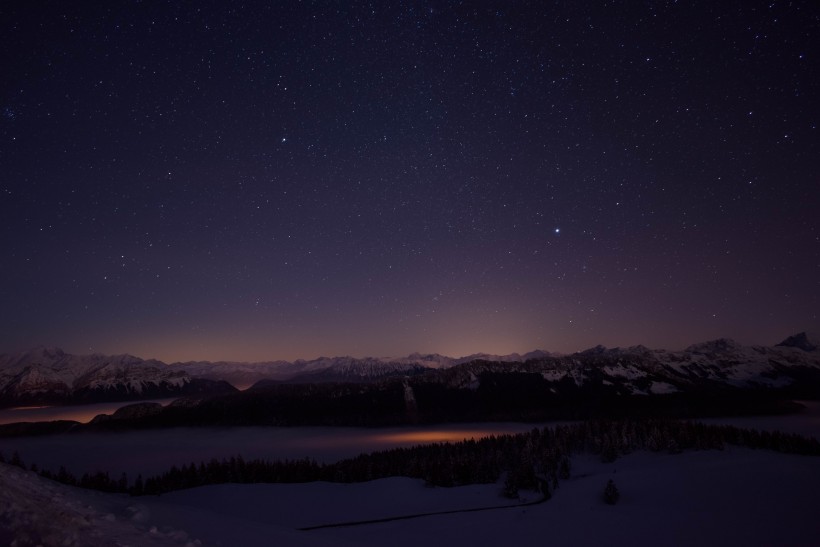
(17, 460)
(122, 484)
(611, 493)
(544, 488)
(65, 477)
(564, 469)
(510, 489)
(137, 489)
(609, 452)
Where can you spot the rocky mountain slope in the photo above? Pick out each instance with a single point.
(640, 370)
(633, 370)
(51, 376)
(334, 369)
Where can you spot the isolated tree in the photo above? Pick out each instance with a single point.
(564, 468)
(17, 460)
(122, 484)
(611, 493)
(510, 489)
(65, 477)
(609, 452)
(138, 488)
(544, 487)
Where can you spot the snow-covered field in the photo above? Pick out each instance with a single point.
(737, 496)
(732, 497)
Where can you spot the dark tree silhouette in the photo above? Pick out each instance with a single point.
(536, 460)
(611, 494)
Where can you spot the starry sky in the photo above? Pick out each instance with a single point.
(279, 180)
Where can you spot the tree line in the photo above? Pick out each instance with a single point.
(537, 460)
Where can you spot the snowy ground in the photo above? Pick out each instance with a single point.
(35, 511)
(737, 496)
(732, 497)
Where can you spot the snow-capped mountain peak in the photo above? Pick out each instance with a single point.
(720, 345)
(50, 375)
(802, 340)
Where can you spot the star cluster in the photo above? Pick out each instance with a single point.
(287, 179)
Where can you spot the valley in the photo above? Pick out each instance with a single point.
(355, 421)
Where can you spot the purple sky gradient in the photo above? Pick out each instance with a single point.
(282, 180)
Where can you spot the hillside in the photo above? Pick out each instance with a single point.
(47, 376)
(715, 377)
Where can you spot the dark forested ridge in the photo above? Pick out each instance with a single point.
(536, 384)
(537, 460)
(717, 378)
(494, 394)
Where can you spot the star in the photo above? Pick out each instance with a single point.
(414, 153)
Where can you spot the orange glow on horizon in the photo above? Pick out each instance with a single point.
(442, 436)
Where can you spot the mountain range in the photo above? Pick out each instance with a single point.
(326, 369)
(51, 376)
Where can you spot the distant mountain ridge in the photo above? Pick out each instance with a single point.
(642, 371)
(326, 369)
(49, 375)
(722, 360)
(803, 340)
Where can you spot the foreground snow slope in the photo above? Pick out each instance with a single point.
(35, 511)
(732, 497)
(735, 497)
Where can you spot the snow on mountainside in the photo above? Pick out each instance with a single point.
(322, 369)
(54, 365)
(805, 341)
(348, 369)
(429, 360)
(725, 360)
(49, 375)
(639, 370)
(377, 367)
(351, 369)
(238, 374)
(345, 368)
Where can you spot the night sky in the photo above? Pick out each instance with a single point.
(225, 180)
